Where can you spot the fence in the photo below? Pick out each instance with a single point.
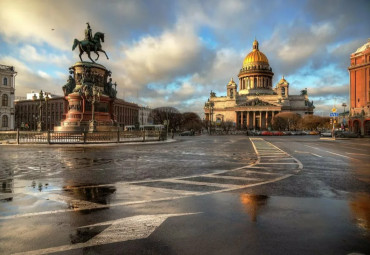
(52, 137)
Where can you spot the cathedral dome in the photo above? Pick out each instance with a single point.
(255, 56)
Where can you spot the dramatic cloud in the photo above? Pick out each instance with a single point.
(165, 52)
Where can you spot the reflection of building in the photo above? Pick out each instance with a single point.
(256, 102)
(359, 72)
(144, 115)
(7, 87)
(252, 204)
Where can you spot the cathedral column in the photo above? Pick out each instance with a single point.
(242, 120)
(248, 119)
(254, 119)
(267, 117)
(260, 120)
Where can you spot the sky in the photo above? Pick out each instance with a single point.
(174, 52)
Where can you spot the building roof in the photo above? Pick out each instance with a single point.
(255, 56)
(363, 47)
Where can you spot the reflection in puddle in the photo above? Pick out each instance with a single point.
(7, 186)
(360, 207)
(100, 195)
(253, 203)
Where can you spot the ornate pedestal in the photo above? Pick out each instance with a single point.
(90, 99)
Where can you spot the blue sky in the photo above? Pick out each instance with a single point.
(173, 53)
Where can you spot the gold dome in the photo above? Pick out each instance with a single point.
(255, 56)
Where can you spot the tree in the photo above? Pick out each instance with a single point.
(163, 114)
(191, 121)
(227, 125)
(286, 120)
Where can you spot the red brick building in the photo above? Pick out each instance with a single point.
(359, 72)
(53, 112)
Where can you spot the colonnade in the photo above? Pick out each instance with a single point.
(254, 120)
(254, 82)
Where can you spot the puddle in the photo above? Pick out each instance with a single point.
(100, 195)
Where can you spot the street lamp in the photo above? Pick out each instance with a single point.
(93, 97)
(210, 105)
(41, 99)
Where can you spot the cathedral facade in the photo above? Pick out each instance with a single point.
(256, 102)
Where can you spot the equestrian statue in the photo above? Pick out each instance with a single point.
(90, 43)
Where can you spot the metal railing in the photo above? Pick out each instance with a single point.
(56, 137)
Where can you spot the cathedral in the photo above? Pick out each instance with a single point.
(256, 102)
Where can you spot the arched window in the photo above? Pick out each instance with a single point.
(283, 91)
(4, 101)
(4, 121)
(5, 81)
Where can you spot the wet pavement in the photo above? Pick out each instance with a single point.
(199, 195)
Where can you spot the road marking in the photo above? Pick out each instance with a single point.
(316, 155)
(120, 230)
(331, 152)
(257, 144)
(360, 154)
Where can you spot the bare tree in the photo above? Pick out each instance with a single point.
(191, 121)
(286, 121)
(168, 115)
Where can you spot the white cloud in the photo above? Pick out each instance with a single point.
(30, 54)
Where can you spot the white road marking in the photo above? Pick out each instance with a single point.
(260, 143)
(124, 229)
(331, 152)
(316, 155)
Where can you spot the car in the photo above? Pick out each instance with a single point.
(277, 133)
(186, 133)
(287, 133)
(313, 133)
(347, 134)
(266, 133)
(326, 133)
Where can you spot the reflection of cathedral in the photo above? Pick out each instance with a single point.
(256, 102)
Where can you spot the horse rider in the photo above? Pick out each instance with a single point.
(88, 33)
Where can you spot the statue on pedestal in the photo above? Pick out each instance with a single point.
(90, 43)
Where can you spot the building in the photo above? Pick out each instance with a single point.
(7, 89)
(256, 102)
(27, 112)
(53, 111)
(359, 73)
(144, 115)
(126, 113)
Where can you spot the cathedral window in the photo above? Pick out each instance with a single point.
(4, 121)
(5, 81)
(4, 101)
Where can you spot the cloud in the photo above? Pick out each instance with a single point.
(27, 80)
(30, 54)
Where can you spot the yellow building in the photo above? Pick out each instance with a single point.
(256, 102)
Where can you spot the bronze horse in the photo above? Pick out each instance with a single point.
(88, 46)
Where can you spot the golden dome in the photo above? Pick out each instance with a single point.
(255, 56)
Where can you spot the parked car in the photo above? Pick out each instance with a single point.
(347, 134)
(187, 133)
(277, 133)
(313, 133)
(326, 133)
(287, 133)
(266, 133)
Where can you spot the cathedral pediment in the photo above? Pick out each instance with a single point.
(256, 102)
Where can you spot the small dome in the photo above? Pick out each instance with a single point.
(231, 82)
(255, 56)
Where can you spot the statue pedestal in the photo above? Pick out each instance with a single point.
(79, 115)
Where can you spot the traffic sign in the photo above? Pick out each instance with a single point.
(334, 114)
(333, 110)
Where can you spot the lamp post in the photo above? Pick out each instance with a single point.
(42, 100)
(93, 97)
(210, 105)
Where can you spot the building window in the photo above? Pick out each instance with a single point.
(4, 101)
(5, 81)
(4, 121)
